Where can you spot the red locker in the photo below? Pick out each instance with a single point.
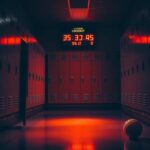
(85, 77)
(96, 79)
(35, 74)
(106, 79)
(75, 71)
(63, 77)
(53, 78)
(39, 75)
(37, 81)
(29, 81)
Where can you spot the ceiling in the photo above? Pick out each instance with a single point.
(45, 16)
(112, 11)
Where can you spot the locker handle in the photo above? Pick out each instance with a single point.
(72, 78)
(60, 79)
(82, 79)
(94, 79)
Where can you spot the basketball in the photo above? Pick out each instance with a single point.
(133, 129)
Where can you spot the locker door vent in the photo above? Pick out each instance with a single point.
(75, 97)
(2, 106)
(64, 57)
(75, 57)
(85, 98)
(64, 98)
(53, 97)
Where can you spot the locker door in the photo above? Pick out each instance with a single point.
(96, 78)
(3, 86)
(63, 78)
(35, 79)
(24, 57)
(108, 78)
(39, 82)
(43, 74)
(116, 91)
(32, 61)
(53, 78)
(30, 81)
(85, 77)
(74, 77)
(147, 75)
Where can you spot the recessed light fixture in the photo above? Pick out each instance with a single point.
(79, 10)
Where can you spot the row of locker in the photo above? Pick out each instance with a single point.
(9, 73)
(138, 101)
(85, 98)
(138, 68)
(36, 72)
(139, 82)
(35, 100)
(10, 104)
(135, 65)
(80, 77)
(10, 81)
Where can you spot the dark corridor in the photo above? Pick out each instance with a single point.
(72, 72)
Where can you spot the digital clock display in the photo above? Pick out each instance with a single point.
(78, 37)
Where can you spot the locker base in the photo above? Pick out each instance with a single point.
(143, 116)
(106, 106)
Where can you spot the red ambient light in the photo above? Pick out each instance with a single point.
(79, 13)
(81, 147)
(16, 40)
(139, 39)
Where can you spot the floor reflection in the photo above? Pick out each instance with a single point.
(76, 133)
(70, 133)
(83, 146)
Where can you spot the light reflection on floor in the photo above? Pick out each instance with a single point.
(96, 132)
(76, 133)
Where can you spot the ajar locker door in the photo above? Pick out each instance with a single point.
(85, 77)
(30, 81)
(38, 99)
(53, 78)
(74, 77)
(63, 77)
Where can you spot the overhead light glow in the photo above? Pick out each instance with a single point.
(79, 13)
(16, 40)
(139, 39)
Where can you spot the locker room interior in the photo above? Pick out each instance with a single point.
(42, 78)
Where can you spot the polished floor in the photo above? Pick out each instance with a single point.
(73, 130)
